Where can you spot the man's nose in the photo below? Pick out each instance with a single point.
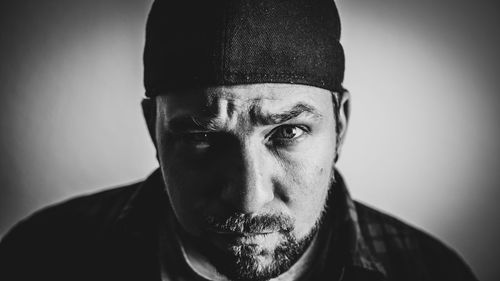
(249, 185)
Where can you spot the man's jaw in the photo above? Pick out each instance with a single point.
(253, 255)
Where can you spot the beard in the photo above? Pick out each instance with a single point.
(242, 259)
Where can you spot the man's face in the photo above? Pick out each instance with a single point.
(247, 170)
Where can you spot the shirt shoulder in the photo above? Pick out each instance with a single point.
(91, 211)
(64, 237)
(406, 252)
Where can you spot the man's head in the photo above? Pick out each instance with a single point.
(247, 131)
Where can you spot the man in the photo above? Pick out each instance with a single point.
(248, 114)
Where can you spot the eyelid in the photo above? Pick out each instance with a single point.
(304, 128)
(211, 137)
(191, 135)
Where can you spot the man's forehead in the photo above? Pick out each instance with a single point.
(265, 98)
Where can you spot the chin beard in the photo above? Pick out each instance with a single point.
(243, 262)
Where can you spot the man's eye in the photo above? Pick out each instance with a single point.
(199, 140)
(287, 133)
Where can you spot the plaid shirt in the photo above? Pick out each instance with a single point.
(113, 235)
(381, 247)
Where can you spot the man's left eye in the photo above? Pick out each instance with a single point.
(287, 133)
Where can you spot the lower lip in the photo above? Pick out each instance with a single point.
(231, 239)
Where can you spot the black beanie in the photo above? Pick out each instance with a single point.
(200, 43)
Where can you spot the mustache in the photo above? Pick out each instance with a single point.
(248, 223)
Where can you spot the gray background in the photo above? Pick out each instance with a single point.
(423, 142)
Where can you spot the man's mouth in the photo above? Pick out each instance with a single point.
(243, 237)
(242, 234)
(248, 225)
(252, 239)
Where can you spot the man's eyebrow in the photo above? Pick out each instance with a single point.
(278, 118)
(192, 122)
(209, 121)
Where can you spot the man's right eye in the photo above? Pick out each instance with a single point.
(197, 140)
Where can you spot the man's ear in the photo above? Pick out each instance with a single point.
(344, 111)
(149, 112)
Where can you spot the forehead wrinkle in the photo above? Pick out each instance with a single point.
(251, 112)
(232, 109)
(218, 113)
(255, 111)
(298, 109)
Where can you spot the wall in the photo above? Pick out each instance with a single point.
(422, 143)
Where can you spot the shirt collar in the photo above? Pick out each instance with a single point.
(140, 215)
(358, 254)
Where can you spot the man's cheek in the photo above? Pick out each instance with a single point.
(181, 158)
(303, 173)
(307, 186)
(190, 179)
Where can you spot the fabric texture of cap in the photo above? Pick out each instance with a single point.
(201, 43)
